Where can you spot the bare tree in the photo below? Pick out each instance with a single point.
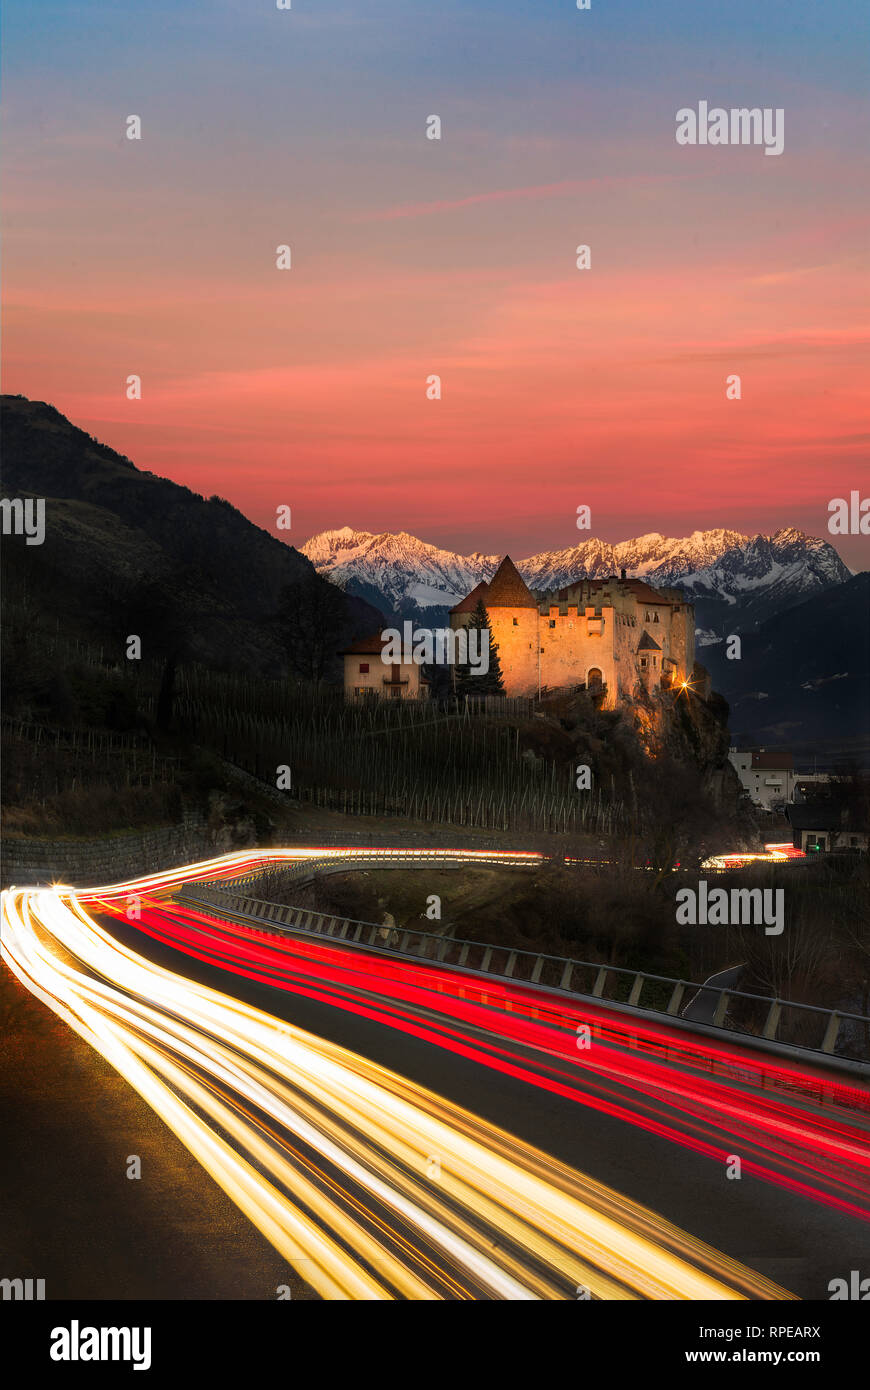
(311, 623)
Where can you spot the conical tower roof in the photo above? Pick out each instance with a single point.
(508, 589)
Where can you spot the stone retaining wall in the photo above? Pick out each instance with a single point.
(111, 859)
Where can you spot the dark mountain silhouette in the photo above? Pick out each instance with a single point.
(127, 552)
(803, 679)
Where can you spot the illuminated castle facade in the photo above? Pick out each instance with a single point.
(609, 635)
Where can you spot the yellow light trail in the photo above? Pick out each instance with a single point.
(371, 1186)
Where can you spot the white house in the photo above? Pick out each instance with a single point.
(368, 676)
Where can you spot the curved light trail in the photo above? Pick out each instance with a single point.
(638, 1072)
(370, 1185)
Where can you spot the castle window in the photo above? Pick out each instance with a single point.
(363, 668)
(552, 622)
(647, 618)
(643, 661)
(655, 617)
(515, 623)
(542, 649)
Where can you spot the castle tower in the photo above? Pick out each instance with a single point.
(514, 621)
(649, 661)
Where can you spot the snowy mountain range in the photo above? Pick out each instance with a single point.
(735, 581)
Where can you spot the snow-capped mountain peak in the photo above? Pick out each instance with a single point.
(720, 570)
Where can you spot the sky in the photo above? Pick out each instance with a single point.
(411, 258)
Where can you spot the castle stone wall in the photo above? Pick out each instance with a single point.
(516, 633)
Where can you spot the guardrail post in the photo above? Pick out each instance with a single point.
(676, 997)
(831, 1033)
(770, 1027)
(227, 901)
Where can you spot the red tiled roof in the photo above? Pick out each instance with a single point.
(469, 603)
(365, 646)
(773, 761)
(645, 593)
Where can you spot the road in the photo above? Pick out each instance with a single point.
(376, 1184)
(702, 1006)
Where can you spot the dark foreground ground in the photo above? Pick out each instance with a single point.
(68, 1212)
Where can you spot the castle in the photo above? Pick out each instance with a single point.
(607, 635)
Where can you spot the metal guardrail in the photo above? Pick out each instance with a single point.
(531, 967)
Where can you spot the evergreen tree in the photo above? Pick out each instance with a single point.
(490, 683)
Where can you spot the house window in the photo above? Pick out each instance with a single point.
(364, 668)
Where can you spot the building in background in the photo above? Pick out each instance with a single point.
(769, 778)
(367, 675)
(826, 827)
